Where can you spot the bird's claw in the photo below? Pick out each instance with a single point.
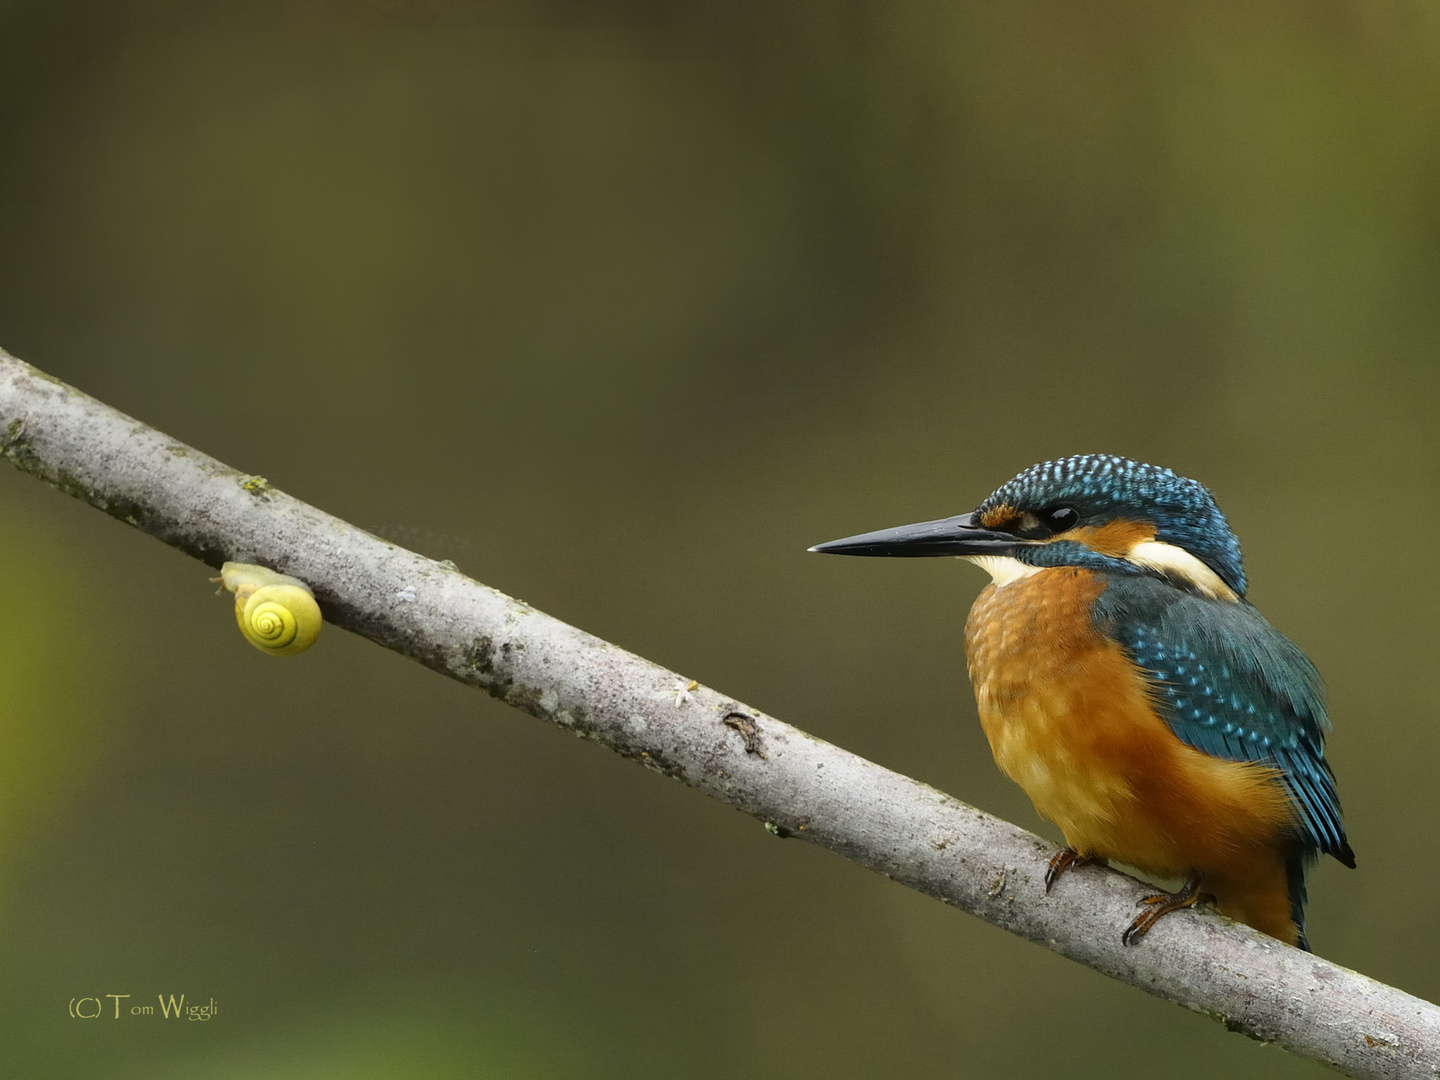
(1162, 904)
(1065, 860)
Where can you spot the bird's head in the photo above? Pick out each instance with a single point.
(1091, 510)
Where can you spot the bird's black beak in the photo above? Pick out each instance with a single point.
(949, 536)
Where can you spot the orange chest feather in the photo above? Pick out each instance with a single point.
(1050, 691)
(1036, 658)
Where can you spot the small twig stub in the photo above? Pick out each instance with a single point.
(749, 731)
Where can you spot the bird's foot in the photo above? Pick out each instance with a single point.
(1162, 904)
(1067, 860)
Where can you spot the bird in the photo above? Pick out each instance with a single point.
(1138, 698)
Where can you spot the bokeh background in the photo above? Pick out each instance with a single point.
(621, 304)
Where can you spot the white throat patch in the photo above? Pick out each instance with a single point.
(1002, 568)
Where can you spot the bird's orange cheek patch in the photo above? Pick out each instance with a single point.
(1114, 538)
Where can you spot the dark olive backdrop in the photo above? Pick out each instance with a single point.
(621, 306)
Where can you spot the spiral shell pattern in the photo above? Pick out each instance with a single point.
(276, 613)
(278, 619)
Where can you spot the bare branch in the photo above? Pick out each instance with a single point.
(797, 784)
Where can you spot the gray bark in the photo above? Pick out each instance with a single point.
(798, 785)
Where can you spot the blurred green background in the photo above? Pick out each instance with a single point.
(621, 305)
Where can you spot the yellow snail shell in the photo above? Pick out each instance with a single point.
(277, 613)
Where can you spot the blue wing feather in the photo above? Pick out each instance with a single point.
(1232, 686)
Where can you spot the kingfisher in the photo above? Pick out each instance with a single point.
(1127, 685)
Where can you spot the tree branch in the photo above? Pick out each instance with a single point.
(797, 784)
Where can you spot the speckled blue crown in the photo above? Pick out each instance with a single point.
(1104, 487)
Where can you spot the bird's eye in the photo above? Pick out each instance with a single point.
(1061, 518)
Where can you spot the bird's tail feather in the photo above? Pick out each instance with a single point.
(1297, 860)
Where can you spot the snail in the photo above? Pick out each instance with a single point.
(277, 613)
